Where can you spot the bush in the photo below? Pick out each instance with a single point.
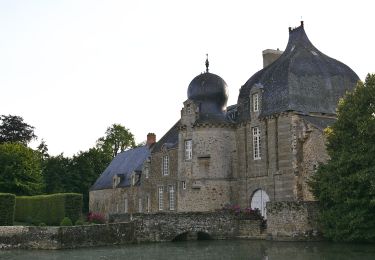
(95, 218)
(66, 222)
(49, 209)
(7, 206)
(79, 222)
(246, 213)
(42, 224)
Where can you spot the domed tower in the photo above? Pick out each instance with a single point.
(206, 145)
(282, 112)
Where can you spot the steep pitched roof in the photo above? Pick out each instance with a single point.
(170, 139)
(302, 79)
(123, 164)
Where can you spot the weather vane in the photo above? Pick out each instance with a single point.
(207, 63)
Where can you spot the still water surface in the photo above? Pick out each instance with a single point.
(226, 249)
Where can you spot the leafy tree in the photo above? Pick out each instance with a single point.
(55, 172)
(14, 129)
(345, 186)
(117, 139)
(20, 170)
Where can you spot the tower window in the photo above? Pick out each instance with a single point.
(256, 143)
(188, 149)
(165, 165)
(171, 198)
(255, 102)
(160, 197)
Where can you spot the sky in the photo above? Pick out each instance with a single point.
(72, 68)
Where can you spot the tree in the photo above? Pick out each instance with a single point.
(345, 186)
(55, 173)
(20, 170)
(14, 129)
(117, 139)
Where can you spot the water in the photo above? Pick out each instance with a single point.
(226, 249)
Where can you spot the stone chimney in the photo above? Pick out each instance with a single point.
(270, 56)
(151, 139)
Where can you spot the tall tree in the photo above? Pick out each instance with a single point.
(345, 186)
(14, 129)
(117, 139)
(20, 170)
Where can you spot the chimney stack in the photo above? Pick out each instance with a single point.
(151, 139)
(270, 56)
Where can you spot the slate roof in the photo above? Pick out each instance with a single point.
(123, 164)
(319, 122)
(170, 139)
(302, 79)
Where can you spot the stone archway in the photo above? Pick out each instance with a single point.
(259, 200)
(192, 235)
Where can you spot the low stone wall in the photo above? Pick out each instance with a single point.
(293, 221)
(65, 237)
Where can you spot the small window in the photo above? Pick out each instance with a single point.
(188, 149)
(256, 143)
(117, 208)
(165, 165)
(139, 205)
(188, 109)
(133, 180)
(255, 102)
(160, 196)
(146, 172)
(126, 206)
(184, 185)
(171, 198)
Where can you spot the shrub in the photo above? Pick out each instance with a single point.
(95, 218)
(79, 222)
(49, 209)
(246, 213)
(66, 222)
(7, 205)
(42, 224)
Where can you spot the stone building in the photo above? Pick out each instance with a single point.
(264, 148)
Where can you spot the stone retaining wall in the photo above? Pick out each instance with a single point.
(293, 221)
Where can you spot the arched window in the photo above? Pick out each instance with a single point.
(259, 200)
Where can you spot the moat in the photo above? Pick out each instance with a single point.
(209, 249)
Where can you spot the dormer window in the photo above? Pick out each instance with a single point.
(255, 99)
(133, 179)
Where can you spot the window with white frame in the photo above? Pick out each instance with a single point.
(171, 197)
(160, 196)
(256, 143)
(146, 172)
(255, 102)
(165, 165)
(148, 203)
(188, 149)
(139, 205)
(126, 205)
(184, 185)
(133, 180)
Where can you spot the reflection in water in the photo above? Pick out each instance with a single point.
(207, 249)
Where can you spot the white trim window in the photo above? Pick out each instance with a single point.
(255, 100)
(160, 197)
(140, 205)
(188, 150)
(126, 206)
(148, 203)
(165, 165)
(256, 143)
(171, 197)
(146, 172)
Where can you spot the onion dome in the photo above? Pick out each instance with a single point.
(302, 79)
(209, 91)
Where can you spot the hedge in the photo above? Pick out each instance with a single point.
(49, 209)
(7, 202)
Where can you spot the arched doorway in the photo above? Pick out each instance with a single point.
(259, 200)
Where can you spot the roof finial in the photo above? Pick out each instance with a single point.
(207, 63)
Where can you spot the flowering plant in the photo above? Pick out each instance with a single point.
(96, 218)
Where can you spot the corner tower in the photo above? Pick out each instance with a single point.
(206, 146)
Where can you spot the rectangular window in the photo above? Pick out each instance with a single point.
(139, 205)
(160, 196)
(133, 180)
(184, 185)
(188, 149)
(255, 102)
(256, 143)
(148, 203)
(126, 206)
(171, 197)
(165, 165)
(146, 172)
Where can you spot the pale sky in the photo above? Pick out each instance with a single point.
(73, 68)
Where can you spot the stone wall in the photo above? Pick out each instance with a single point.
(290, 220)
(65, 237)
